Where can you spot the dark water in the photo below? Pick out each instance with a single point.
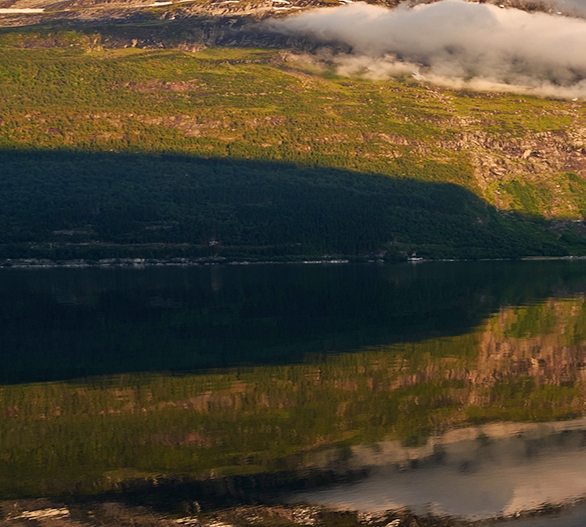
(450, 388)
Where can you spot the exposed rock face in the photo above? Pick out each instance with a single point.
(24, 12)
(529, 158)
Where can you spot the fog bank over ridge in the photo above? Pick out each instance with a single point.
(453, 43)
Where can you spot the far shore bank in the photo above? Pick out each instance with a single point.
(44, 263)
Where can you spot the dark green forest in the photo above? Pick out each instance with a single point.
(72, 205)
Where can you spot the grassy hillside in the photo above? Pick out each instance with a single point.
(160, 153)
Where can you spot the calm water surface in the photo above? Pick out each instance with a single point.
(450, 388)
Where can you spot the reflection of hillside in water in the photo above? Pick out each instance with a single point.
(425, 420)
(64, 323)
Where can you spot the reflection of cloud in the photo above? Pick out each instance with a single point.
(569, 7)
(455, 43)
(475, 473)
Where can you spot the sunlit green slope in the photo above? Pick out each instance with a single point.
(261, 153)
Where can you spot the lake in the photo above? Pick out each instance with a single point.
(451, 390)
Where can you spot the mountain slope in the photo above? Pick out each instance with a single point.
(300, 155)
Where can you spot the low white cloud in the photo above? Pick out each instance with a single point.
(454, 43)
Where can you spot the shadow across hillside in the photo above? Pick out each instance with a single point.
(87, 205)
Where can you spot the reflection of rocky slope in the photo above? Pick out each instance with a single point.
(489, 470)
(553, 351)
(545, 342)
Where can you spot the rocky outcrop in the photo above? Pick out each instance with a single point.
(24, 12)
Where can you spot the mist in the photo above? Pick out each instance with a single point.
(452, 43)
(568, 7)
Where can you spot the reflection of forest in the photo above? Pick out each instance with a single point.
(522, 364)
(65, 324)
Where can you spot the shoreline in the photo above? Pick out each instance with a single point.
(138, 263)
(114, 511)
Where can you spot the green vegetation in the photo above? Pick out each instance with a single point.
(110, 152)
(92, 436)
